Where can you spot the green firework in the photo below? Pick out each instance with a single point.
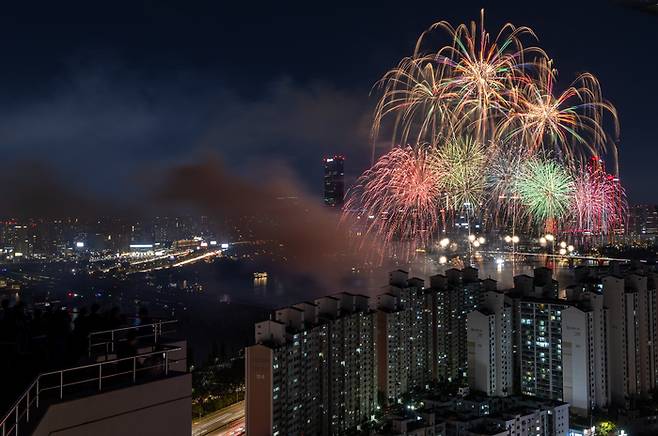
(545, 189)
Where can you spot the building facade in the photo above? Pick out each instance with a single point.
(312, 370)
(334, 181)
(489, 339)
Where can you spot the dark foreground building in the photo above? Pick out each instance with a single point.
(134, 381)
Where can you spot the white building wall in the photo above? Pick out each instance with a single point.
(615, 300)
(490, 346)
(576, 362)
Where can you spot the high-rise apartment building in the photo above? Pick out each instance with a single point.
(540, 348)
(312, 370)
(451, 298)
(631, 337)
(403, 331)
(585, 354)
(489, 340)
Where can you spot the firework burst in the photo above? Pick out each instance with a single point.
(545, 190)
(482, 71)
(461, 163)
(568, 124)
(463, 85)
(600, 205)
(398, 198)
(501, 184)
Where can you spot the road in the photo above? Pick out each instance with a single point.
(226, 421)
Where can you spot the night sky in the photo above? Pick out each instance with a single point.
(106, 95)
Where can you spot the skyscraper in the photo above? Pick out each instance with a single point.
(334, 181)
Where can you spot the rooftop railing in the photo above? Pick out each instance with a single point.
(80, 380)
(106, 341)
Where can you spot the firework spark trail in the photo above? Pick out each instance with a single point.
(568, 124)
(483, 71)
(468, 84)
(600, 205)
(398, 197)
(501, 179)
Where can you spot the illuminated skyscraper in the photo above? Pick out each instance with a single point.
(334, 181)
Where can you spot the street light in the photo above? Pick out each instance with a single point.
(515, 239)
(471, 238)
(476, 244)
(570, 248)
(542, 240)
(481, 240)
(443, 243)
(508, 239)
(549, 237)
(563, 251)
(443, 260)
(563, 244)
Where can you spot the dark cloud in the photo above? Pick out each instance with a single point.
(33, 189)
(101, 129)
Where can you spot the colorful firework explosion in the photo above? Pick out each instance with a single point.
(545, 190)
(398, 197)
(489, 127)
(600, 205)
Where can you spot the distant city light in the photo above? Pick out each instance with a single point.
(224, 245)
(80, 244)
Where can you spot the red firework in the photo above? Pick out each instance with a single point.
(600, 205)
(397, 199)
